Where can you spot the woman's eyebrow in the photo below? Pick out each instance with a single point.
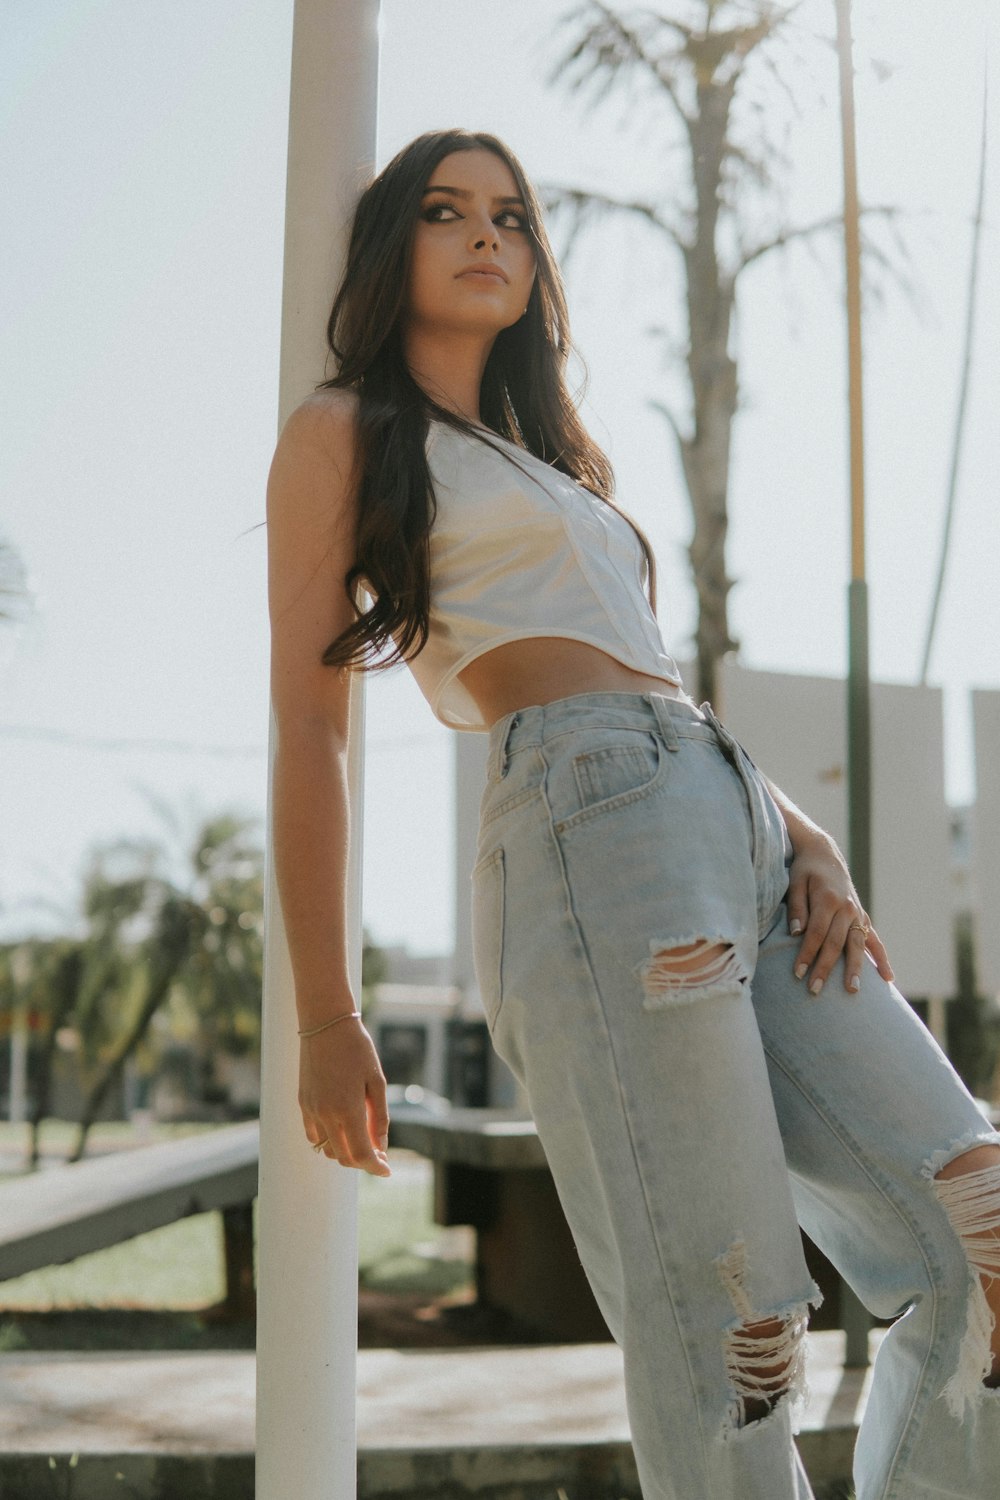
(465, 193)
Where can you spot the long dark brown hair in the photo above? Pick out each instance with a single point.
(523, 398)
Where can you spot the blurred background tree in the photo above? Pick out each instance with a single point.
(150, 944)
(374, 967)
(154, 954)
(973, 1021)
(701, 68)
(195, 948)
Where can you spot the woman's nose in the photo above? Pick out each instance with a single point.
(481, 237)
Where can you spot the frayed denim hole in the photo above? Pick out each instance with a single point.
(681, 970)
(972, 1202)
(764, 1369)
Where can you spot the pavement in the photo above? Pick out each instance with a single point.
(517, 1421)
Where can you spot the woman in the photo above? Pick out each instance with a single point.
(672, 958)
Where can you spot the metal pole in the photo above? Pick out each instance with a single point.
(307, 1282)
(17, 1087)
(854, 1315)
(17, 1098)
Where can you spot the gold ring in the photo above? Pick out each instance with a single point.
(861, 926)
(318, 1145)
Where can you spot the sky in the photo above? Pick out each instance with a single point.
(142, 159)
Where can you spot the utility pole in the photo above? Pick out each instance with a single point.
(854, 1315)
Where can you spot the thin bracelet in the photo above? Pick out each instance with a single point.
(349, 1015)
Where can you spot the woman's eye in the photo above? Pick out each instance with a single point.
(434, 211)
(446, 213)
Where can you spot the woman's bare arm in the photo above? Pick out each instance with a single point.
(311, 514)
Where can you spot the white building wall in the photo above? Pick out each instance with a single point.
(795, 728)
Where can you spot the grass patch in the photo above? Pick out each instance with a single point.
(179, 1269)
(179, 1266)
(400, 1248)
(58, 1137)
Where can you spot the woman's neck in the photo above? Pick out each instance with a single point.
(449, 368)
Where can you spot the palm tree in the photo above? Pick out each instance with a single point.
(196, 947)
(147, 943)
(692, 72)
(220, 982)
(40, 977)
(56, 976)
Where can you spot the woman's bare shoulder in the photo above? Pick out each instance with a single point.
(313, 477)
(311, 517)
(327, 419)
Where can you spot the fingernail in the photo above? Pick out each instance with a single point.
(854, 983)
(816, 986)
(795, 927)
(800, 971)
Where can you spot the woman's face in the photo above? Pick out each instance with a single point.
(473, 262)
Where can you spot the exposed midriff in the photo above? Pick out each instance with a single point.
(542, 669)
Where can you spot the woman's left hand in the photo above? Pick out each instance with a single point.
(825, 907)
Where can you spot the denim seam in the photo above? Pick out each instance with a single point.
(549, 736)
(495, 855)
(496, 860)
(581, 939)
(653, 788)
(524, 795)
(928, 1369)
(750, 792)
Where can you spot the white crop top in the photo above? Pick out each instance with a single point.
(514, 556)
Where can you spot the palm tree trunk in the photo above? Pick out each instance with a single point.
(106, 1080)
(65, 987)
(714, 387)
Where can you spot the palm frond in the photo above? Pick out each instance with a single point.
(608, 50)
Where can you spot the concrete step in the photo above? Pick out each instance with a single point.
(516, 1423)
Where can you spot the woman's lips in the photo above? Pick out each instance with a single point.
(485, 273)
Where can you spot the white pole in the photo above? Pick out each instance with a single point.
(307, 1287)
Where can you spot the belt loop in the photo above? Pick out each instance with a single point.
(727, 742)
(668, 729)
(496, 768)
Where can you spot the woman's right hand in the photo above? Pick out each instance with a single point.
(342, 1096)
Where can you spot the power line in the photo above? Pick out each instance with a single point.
(72, 741)
(96, 742)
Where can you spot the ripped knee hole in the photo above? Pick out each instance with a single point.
(968, 1189)
(765, 1361)
(690, 968)
(765, 1356)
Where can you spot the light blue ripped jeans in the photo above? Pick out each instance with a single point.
(692, 1120)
